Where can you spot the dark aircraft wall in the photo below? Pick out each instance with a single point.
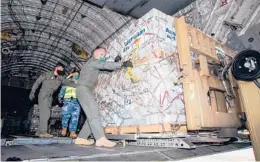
(17, 100)
(15, 106)
(14, 101)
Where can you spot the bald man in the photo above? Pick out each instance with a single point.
(86, 83)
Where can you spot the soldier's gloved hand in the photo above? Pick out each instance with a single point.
(60, 101)
(127, 64)
(118, 58)
(31, 96)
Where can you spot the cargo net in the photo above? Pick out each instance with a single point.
(149, 93)
(154, 98)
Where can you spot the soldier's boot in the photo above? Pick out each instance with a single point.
(73, 135)
(82, 141)
(104, 142)
(64, 132)
(45, 135)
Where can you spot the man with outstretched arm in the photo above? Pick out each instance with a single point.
(86, 83)
(50, 81)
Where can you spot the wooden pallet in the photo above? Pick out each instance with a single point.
(250, 96)
(153, 128)
(197, 82)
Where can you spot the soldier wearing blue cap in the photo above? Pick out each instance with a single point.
(70, 108)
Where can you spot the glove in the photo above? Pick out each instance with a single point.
(127, 64)
(60, 101)
(31, 96)
(118, 58)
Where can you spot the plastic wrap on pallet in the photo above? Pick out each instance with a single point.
(151, 92)
(33, 116)
(55, 112)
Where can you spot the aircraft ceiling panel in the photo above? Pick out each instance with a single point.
(225, 20)
(36, 34)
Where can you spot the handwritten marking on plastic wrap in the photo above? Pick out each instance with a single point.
(145, 90)
(134, 37)
(126, 48)
(169, 98)
(170, 34)
(127, 101)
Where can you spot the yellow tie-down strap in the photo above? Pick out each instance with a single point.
(130, 75)
(129, 72)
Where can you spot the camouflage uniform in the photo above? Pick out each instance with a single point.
(70, 108)
(50, 84)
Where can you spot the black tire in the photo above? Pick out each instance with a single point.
(242, 73)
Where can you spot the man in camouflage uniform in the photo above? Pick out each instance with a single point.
(70, 108)
(50, 81)
(86, 83)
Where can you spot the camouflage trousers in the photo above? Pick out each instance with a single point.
(70, 111)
